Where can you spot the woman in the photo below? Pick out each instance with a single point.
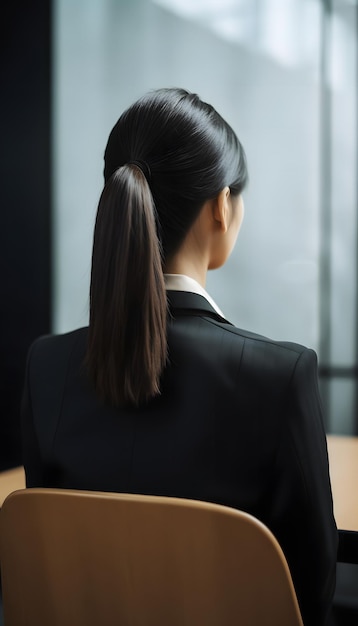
(161, 394)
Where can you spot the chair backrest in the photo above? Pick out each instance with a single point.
(88, 558)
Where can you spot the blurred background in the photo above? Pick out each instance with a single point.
(284, 75)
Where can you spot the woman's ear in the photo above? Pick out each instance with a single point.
(221, 209)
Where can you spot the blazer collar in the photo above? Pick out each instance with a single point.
(187, 303)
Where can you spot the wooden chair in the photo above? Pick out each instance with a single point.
(76, 558)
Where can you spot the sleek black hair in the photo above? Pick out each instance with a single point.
(166, 156)
(190, 153)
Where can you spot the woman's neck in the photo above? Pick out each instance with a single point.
(181, 264)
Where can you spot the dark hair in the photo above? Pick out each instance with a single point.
(167, 154)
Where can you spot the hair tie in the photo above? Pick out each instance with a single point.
(144, 167)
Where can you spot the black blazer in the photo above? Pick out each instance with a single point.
(238, 423)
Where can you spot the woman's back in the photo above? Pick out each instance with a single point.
(222, 395)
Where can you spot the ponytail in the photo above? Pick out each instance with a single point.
(127, 345)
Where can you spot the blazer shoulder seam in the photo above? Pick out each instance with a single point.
(248, 336)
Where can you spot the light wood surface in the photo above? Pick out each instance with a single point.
(343, 458)
(343, 461)
(11, 480)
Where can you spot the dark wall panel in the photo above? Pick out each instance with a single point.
(25, 209)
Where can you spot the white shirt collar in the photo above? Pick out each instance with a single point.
(181, 282)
